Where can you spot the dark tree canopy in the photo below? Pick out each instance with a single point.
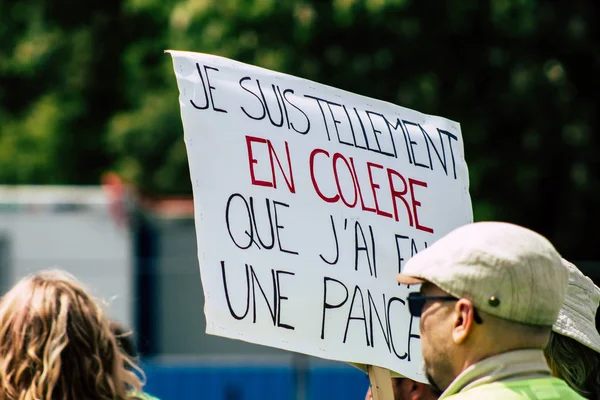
(85, 88)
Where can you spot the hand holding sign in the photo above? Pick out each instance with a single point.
(308, 201)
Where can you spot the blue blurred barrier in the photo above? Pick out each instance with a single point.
(331, 383)
(218, 382)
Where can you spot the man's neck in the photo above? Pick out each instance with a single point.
(475, 355)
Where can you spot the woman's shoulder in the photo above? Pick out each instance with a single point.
(142, 396)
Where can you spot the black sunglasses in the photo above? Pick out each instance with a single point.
(416, 302)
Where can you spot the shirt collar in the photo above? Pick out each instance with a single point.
(512, 365)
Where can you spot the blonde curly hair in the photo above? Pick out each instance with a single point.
(56, 344)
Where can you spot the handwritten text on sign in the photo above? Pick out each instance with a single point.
(308, 201)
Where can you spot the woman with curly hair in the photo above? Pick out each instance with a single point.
(56, 344)
(573, 352)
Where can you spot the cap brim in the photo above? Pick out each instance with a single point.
(409, 280)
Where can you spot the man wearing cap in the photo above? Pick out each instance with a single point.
(573, 351)
(490, 293)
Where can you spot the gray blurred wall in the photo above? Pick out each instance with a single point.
(69, 228)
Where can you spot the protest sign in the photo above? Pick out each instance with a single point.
(308, 201)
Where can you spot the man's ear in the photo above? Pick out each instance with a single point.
(463, 320)
(417, 391)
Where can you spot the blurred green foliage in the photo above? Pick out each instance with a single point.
(85, 88)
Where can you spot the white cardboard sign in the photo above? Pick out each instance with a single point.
(308, 201)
